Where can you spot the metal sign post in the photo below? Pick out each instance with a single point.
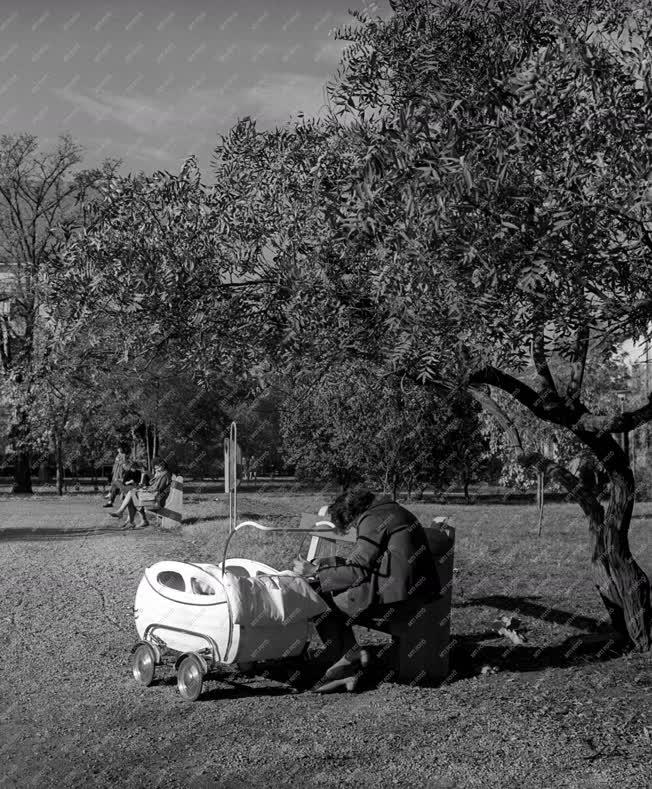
(231, 457)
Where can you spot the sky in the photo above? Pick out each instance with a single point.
(153, 81)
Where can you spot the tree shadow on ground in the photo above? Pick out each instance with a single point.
(54, 533)
(201, 519)
(527, 606)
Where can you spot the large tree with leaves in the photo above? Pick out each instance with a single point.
(505, 195)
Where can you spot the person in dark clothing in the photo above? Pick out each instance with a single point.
(133, 475)
(389, 573)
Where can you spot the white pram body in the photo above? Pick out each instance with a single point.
(248, 613)
(205, 616)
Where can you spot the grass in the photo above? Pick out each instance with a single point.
(565, 709)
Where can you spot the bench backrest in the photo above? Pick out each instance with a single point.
(172, 513)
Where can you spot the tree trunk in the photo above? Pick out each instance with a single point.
(147, 452)
(540, 500)
(58, 452)
(22, 473)
(622, 584)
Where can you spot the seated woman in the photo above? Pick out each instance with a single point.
(133, 475)
(389, 573)
(152, 497)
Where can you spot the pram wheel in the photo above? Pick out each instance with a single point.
(190, 678)
(143, 665)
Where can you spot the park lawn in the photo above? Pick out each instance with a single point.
(561, 710)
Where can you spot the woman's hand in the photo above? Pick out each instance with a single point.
(301, 567)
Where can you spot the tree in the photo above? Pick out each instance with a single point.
(504, 199)
(39, 209)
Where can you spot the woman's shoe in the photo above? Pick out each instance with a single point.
(128, 525)
(338, 677)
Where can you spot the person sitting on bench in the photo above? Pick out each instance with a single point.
(134, 475)
(389, 573)
(152, 497)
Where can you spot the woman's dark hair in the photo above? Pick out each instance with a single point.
(160, 462)
(348, 506)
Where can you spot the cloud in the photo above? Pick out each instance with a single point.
(330, 52)
(273, 100)
(139, 113)
(280, 95)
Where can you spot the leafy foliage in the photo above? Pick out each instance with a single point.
(354, 425)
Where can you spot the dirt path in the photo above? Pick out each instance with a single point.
(73, 716)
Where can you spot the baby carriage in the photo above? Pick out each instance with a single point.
(205, 617)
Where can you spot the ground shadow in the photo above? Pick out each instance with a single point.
(470, 653)
(52, 533)
(472, 656)
(233, 685)
(230, 689)
(527, 606)
(201, 519)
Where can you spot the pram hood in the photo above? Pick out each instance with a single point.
(265, 600)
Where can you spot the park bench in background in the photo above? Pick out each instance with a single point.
(421, 643)
(171, 514)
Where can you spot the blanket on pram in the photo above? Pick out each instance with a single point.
(269, 599)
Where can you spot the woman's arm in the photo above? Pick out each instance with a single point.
(360, 564)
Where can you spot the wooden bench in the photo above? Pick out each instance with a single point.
(171, 514)
(420, 646)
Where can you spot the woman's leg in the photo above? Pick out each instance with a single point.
(137, 503)
(129, 503)
(125, 502)
(335, 631)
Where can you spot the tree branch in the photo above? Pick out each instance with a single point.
(540, 360)
(578, 364)
(546, 405)
(617, 423)
(491, 406)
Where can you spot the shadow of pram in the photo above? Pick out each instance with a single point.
(222, 687)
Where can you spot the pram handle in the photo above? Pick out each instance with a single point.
(318, 526)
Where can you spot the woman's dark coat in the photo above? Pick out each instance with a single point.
(390, 563)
